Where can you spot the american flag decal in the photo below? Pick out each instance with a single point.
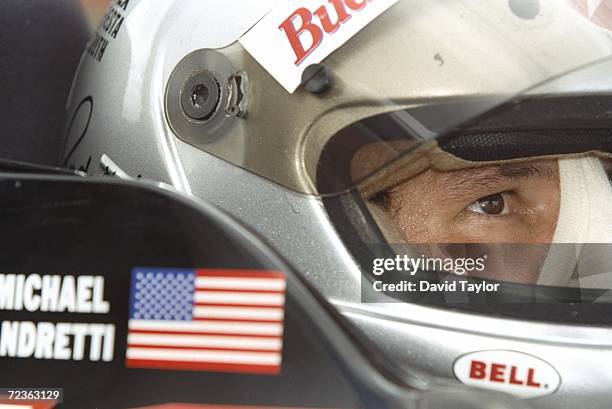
(206, 320)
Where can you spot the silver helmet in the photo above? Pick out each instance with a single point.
(438, 170)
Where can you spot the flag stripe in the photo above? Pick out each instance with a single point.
(271, 344)
(240, 291)
(207, 304)
(205, 326)
(222, 357)
(240, 283)
(202, 366)
(239, 313)
(228, 297)
(239, 273)
(216, 334)
(238, 321)
(144, 346)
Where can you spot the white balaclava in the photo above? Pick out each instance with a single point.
(581, 251)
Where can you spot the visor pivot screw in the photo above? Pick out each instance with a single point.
(316, 78)
(200, 96)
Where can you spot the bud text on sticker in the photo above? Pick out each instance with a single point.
(300, 24)
(297, 34)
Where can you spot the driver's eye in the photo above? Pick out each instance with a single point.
(491, 205)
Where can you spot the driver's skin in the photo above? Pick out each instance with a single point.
(511, 208)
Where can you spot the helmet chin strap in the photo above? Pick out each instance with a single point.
(581, 249)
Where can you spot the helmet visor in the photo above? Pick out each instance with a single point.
(420, 69)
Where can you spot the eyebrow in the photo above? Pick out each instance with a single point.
(461, 183)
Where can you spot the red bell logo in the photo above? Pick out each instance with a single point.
(513, 372)
(302, 25)
(509, 374)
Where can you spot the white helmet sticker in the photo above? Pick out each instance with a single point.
(296, 34)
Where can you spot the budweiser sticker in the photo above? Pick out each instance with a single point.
(297, 34)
